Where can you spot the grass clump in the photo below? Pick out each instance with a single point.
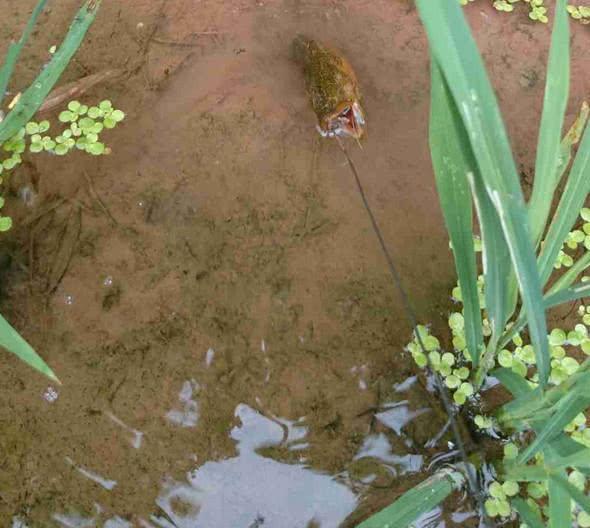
(521, 259)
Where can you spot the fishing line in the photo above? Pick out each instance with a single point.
(411, 315)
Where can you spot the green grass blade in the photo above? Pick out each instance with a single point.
(549, 162)
(579, 460)
(512, 382)
(573, 293)
(562, 446)
(571, 274)
(12, 341)
(566, 279)
(559, 293)
(528, 406)
(568, 407)
(455, 52)
(516, 327)
(525, 473)
(570, 490)
(499, 288)
(527, 514)
(573, 137)
(15, 48)
(34, 95)
(559, 505)
(561, 451)
(513, 219)
(419, 500)
(452, 160)
(572, 201)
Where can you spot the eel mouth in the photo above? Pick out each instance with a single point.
(347, 120)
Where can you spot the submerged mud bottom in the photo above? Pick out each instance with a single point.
(219, 312)
(269, 483)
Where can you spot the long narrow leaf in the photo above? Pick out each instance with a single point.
(573, 198)
(513, 220)
(564, 452)
(527, 514)
(580, 460)
(571, 274)
(11, 340)
(561, 447)
(570, 490)
(548, 162)
(525, 473)
(570, 406)
(572, 137)
(33, 97)
(558, 294)
(573, 293)
(499, 288)
(559, 505)
(528, 406)
(516, 384)
(418, 501)
(15, 48)
(452, 160)
(454, 50)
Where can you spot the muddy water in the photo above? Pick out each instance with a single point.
(230, 346)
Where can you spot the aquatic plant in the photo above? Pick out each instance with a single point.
(542, 476)
(83, 133)
(17, 126)
(538, 10)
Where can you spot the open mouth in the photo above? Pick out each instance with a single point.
(349, 121)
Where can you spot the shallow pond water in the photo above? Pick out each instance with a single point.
(229, 342)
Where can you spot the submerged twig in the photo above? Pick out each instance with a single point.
(183, 44)
(43, 211)
(100, 203)
(65, 249)
(76, 88)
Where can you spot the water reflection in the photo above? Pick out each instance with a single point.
(187, 412)
(253, 491)
(431, 519)
(398, 414)
(248, 490)
(378, 446)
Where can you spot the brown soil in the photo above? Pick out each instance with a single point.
(221, 220)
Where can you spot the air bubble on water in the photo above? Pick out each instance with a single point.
(69, 299)
(108, 281)
(209, 357)
(141, 203)
(50, 394)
